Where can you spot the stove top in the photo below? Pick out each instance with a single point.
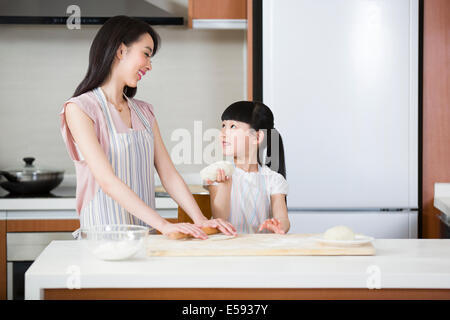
(59, 192)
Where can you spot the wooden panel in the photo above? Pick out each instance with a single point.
(203, 203)
(246, 294)
(42, 225)
(3, 289)
(49, 225)
(218, 9)
(254, 245)
(250, 50)
(436, 108)
(190, 12)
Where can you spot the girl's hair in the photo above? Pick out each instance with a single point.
(260, 117)
(115, 31)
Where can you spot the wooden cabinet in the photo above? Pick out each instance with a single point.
(27, 225)
(43, 225)
(216, 9)
(436, 111)
(34, 226)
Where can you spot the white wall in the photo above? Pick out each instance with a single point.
(195, 76)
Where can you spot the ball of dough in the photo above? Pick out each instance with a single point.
(339, 233)
(210, 172)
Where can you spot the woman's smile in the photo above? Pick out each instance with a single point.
(141, 74)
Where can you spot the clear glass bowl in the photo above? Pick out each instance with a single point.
(114, 242)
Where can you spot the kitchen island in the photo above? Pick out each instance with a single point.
(29, 222)
(401, 269)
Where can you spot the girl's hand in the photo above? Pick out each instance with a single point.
(273, 225)
(186, 228)
(220, 224)
(221, 177)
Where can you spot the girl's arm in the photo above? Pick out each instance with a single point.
(280, 221)
(82, 130)
(177, 188)
(220, 196)
(279, 210)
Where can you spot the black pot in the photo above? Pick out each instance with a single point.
(30, 180)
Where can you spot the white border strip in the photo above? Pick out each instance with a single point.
(38, 204)
(42, 215)
(240, 24)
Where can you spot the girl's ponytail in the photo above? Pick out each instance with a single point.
(281, 163)
(274, 151)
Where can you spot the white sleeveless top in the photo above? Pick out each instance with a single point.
(250, 197)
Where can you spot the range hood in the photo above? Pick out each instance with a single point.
(91, 11)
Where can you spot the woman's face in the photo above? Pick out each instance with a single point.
(237, 138)
(135, 60)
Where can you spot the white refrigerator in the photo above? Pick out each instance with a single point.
(341, 78)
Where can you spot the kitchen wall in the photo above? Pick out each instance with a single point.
(196, 74)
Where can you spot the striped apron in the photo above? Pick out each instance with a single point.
(250, 202)
(131, 155)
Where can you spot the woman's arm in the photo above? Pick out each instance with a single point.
(82, 129)
(177, 188)
(172, 181)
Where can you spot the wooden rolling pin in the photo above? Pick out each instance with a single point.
(180, 235)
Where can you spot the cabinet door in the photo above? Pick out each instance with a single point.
(381, 225)
(27, 246)
(217, 9)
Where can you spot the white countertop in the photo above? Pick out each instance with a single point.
(61, 205)
(442, 200)
(400, 263)
(442, 197)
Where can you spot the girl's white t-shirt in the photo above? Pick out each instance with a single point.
(250, 197)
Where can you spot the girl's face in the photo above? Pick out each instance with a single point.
(134, 61)
(238, 139)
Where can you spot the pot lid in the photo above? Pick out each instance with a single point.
(29, 168)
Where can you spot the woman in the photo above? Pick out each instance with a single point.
(115, 142)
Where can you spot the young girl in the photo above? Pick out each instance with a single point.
(114, 139)
(253, 199)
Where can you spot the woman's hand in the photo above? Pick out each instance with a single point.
(273, 225)
(186, 228)
(224, 226)
(221, 177)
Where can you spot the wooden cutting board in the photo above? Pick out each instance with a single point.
(253, 245)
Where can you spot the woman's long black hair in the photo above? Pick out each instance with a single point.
(115, 31)
(260, 117)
